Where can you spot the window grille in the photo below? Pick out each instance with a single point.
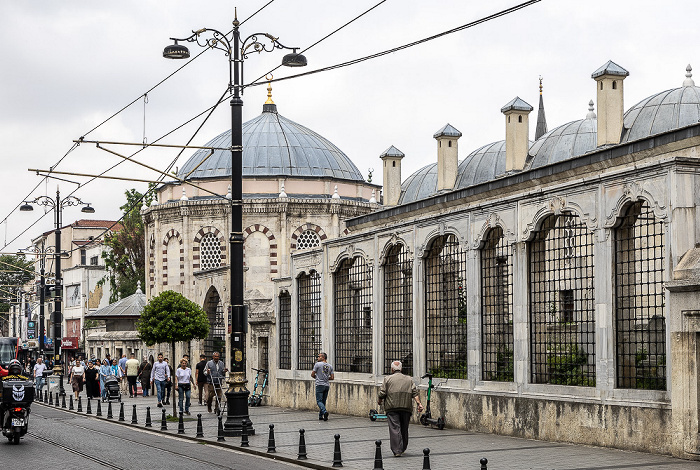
(264, 359)
(353, 316)
(446, 308)
(562, 320)
(497, 308)
(285, 332)
(209, 252)
(308, 239)
(639, 300)
(398, 309)
(309, 340)
(216, 340)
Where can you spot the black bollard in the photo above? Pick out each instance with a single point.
(483, 463)
(378, 464)
(110, 415)
(148, 417)
(134, 420)
(63, 401)
(163, 422)
(220, 430)
(80, 404)
(58, 405)
(99, 408)
(337, 459)
(426, 459)
(200, 429)
(244, 434)
(70, 404)
(89, 408)
(51, 399)
(46, 396)
(121, 411)
(180, 424)
(302, 445)
(271, 440)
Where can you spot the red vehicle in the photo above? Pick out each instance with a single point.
(9, 349)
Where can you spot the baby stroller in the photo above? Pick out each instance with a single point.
(112, 387)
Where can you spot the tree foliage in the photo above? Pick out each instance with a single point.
(15, 271)
(126, 257)
(171, 317)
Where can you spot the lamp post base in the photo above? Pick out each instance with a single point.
(237, 406)
(58, 370)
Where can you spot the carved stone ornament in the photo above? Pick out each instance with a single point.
(632, 192)
(492, 221)
(556, 206)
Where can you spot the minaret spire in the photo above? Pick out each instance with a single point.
(541, 119)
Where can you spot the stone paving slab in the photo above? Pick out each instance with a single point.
(449, 448)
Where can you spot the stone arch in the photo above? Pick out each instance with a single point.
(270, 237)
(216, 339)
(556, 206)
(172, 233)
(152, 262)
(196, 246)
(313, 227)
(632, 193)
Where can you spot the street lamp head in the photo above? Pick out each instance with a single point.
(294, 59)
(26, 207)
(176, 51)
(88, 209)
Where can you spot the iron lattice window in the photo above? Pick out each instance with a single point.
(308, 239)
(446, 308)
(264, 350)
(209, 252)
(497, 308)
(353, 316)
(216, 340)
(398, 309)
(640, 323)
(562, 320)
(309, 339)
(285, 332)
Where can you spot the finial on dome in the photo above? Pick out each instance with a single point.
(282, 193)
(540, 84)
(269, 89)
(335, 193)
(373, 199)
(591, 113)
(154, 201)
(688, 76)
(138, 288)
(184, 195)
(228, 194)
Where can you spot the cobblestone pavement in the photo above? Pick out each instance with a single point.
(449, 448)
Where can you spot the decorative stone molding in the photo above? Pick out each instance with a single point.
(633, 192)
(350, 252)
(492, 221)
(441, 230)
(170, 234)
(556, 206)
(271, 238)
(295, 236)
(304, 263)
(392, 242)
(152, 262)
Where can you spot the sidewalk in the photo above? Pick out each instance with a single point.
(449, 448)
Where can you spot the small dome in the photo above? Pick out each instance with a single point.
(421, 184)
(564, 142)
(274, 146)
(483, 164)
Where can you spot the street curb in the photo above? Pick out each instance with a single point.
(246, 450)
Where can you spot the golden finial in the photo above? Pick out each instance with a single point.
(269, 77)
(540, 84)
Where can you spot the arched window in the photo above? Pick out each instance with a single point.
(352, 294)
(520, 119)
(496, 308)
(614, 87)
(309, 311)
(308, 239)
(285, 331)
(640, 320)
(398, 309)
(562, 317)
(209, 252)
(216, 340)
(446, 308)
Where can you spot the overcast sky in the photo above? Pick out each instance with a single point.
(69, 65)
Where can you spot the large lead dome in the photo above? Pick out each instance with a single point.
(274, 146)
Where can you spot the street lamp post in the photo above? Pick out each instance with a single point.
(57, 205)
(236, 51)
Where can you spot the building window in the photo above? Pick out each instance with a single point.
(309, 311)
(308, 239)
(562, 320)
(209, 252)
(398, 309)
(446, 308)
(93, 261)
(353, 316)
(285, 333)
(640, 320)
(264, 351)
(83, 257)
(216, 340)
(497, 308)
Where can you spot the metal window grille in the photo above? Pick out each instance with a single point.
(398, 309)
(309, 335)
(640, 323)
(209, 252)
(497, 308)
(308, 239)
(216, 340)
(353, 316)
(446, 308)
(285, 332)
(264, 351)
(562, 320)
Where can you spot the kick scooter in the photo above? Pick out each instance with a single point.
(426, 418)
(256, 399)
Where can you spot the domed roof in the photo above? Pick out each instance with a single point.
(421, 184)
(274, 146)
(482, 165)
(564, 142)
(670, 109)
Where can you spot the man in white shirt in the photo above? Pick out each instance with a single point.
(39, 368)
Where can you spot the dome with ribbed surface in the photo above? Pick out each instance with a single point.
(274, 146)
(483, 164)
(421, 184)
(564, 142)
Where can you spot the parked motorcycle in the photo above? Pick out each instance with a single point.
(15, 401)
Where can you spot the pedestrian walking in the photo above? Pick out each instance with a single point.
(39, 368)
(92, 382)
(323, 373)
(216, 373)
(184, 380)
(168, 385)
(105, 371)
(145, 376)
(201, 377)
(398, 392)
(123, 382)
(77, 377)
(131, 372)
(160, 375)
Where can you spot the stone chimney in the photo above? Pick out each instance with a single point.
(391, 159)
(447, 138)
(609, 80)
(517, 133)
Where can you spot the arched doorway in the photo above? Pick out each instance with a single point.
(216, 340)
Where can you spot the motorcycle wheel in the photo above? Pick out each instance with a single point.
(15, 439)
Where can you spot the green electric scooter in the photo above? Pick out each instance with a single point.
(426, 419)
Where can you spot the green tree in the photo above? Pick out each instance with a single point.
(126, 257)
(15, 272)
(169, 318)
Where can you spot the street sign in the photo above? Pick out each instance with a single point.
(31, 330)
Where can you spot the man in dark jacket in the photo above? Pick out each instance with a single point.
(398, 392)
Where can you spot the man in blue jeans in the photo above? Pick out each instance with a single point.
(160, 374)
(323, 373)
